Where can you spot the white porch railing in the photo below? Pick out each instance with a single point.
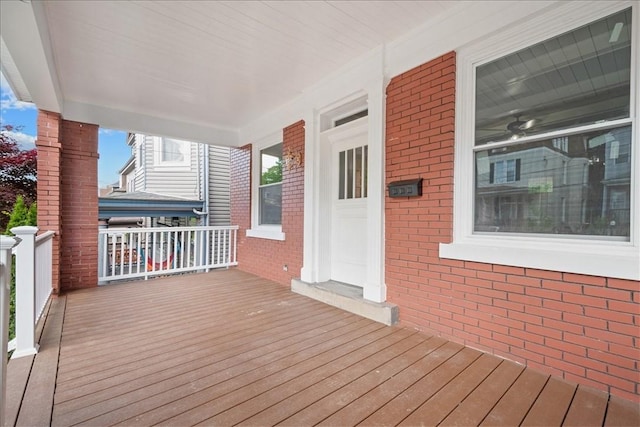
(126, 253)
(6, 245)
(33, 286)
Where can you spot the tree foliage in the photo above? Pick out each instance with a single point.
(17, 173)
(272, 175)
(21, 214)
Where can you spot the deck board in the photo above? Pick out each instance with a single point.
(400, 407)
(513, 407)
(622, 413)
(314, 404)
(341, 371)
(168, 394)
(551, 406)
(228, 348)
(587, 408)
(479, 403)
(435, 409)
(42, 379)
(205, 362)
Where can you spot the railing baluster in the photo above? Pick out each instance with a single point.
(182, 249)
(146, 254)
(209, 234)
(44, 283)
(189, 246)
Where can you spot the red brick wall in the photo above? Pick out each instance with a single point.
(49, 219)
(79, 191)
(265, 257)
(583, 328)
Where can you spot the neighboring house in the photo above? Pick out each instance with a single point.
(520, 119)
(169, 171)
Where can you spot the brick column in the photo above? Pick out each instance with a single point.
(49, 213)
(68, 198)
(240, 162)
(79, 190)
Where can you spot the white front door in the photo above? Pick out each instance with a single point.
(349, 163)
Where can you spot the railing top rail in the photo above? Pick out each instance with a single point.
(47, 235)
(165, 229)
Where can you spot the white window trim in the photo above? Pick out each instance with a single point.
(567, 253)
(270, 232)
(158, 142)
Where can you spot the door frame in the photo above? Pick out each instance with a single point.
(317, 203)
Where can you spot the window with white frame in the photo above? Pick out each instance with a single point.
(266, 189)
(270, 187)
(551, 147)
(171, 152)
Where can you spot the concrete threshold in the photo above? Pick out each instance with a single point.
(348, 298)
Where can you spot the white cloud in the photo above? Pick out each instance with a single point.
(25, 142)
(8, 100)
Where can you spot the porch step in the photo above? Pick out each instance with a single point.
(348, 298)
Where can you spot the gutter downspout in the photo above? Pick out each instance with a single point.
(205, 187)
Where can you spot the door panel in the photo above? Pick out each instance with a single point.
(349, 210)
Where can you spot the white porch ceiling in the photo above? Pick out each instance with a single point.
(212, 65)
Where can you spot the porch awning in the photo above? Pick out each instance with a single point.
(141, 204)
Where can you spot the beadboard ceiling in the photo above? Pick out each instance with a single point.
(212, 63)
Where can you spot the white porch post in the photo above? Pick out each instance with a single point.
(25, 292)
(309, 271)
(375, 289)
(6, 244)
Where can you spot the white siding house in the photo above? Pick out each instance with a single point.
(179, 169)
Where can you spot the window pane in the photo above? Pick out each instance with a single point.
(173, 150)
(578, 78)
(341, 183)
(539, 187)
(366, 169)
(271, 165)
(350, 174)
(358, 173)
(271, 204)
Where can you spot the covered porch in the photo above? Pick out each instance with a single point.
(228, 347)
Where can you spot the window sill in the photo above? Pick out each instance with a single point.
(264, 233)
(605, 259)
(172, 167)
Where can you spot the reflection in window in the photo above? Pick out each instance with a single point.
(172, 152)
(270, 188)
(578, 78)
(538, 188)
(553, 135)
(502, 171)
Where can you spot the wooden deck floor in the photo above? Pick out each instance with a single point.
(228, 348)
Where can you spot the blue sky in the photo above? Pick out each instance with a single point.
(112, 144)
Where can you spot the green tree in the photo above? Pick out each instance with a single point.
(19, 215)
(17, 172)
(272, 175)
(32, 215)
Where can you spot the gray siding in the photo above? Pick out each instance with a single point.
(219, 182)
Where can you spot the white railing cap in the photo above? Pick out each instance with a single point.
(24, 229)
(7, 242)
